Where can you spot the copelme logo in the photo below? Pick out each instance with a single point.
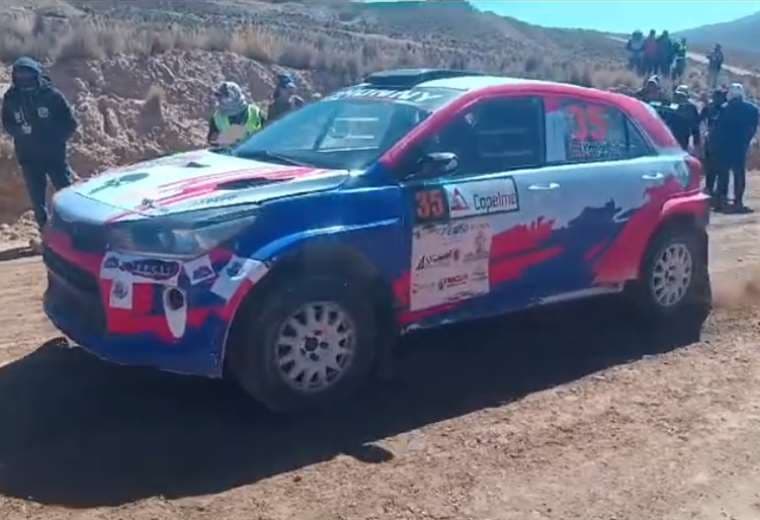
(483, 197)
(458, 202)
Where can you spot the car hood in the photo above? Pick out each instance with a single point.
(202, 179)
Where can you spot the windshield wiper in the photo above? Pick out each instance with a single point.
(272, 157)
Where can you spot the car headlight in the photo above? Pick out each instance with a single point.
(185, 235)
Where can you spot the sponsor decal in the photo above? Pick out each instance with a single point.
(449, 262)
(43, 112)
(482, 197)
(111, 263)
(158, 270)
(411, 96)
(481, 247)
(438, 260)
(453, 281)
(458, 202)
(139, 270)
(235, 273)
(234, 268)
(121, 296)
(215, 199)
(199, 270)
(118, 181)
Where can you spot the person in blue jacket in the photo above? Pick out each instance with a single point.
(734, 130)
(40, 121)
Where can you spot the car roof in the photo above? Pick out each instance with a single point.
(467, 83)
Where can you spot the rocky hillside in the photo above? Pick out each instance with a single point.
(740, 35)
(139, 73)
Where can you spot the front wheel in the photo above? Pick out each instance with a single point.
(306, 345)
(675, 282)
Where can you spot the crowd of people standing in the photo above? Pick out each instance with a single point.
(657, 54)
(720, 134)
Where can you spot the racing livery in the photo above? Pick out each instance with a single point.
(417, 199)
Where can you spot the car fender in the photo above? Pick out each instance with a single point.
(334, 248)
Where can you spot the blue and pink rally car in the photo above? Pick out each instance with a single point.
(417, 199)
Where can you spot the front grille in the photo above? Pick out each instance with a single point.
(70, 273)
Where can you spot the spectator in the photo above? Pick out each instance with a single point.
(664, 54)
(686, 124)
(284, 99)
(735, 128)
(650, 53)
(652, 92)
(40, 121)
(234, 119)
(709, 116)
(679, 65)
(715, 65)
(635, 48)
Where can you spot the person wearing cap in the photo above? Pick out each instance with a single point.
(41, 122)
(709, 116)
(735, 128)
(685, 126)
(651, 93)
(235, 119)
(284, 99)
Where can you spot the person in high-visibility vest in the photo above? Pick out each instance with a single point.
(235, 119)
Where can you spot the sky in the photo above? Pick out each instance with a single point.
(622, 16)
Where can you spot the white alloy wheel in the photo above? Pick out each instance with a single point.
(671, 274)
(315, 346)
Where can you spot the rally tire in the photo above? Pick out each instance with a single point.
(267, 356)
(675, 284)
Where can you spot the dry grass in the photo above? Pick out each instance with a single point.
(338, 60)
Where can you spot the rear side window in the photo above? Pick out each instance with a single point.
(493, 136)
(637, 145)
(579, 131)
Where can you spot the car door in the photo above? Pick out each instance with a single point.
(478, 244)
(606, 172)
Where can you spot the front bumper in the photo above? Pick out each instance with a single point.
(78, 302)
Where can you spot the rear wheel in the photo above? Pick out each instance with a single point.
(305, 345)
(675, 282)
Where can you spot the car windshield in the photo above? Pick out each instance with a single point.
(342, 132)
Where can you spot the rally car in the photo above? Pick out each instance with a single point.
(416, 199)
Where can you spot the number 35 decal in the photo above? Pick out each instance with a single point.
(431, 205)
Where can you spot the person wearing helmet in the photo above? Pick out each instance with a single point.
(40, 121)
(284, 99)
(735, 128)
(235, 119)
(652, 92)
(686, 124)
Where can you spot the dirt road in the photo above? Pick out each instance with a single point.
(573, 413)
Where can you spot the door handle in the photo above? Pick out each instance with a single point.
(544, 187)
(653, 176)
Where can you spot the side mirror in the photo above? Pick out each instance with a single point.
(437, 164)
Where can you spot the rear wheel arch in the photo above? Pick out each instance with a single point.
(678, 222)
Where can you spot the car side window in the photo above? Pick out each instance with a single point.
(493, 136)
(580, 131)
(637, 145)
